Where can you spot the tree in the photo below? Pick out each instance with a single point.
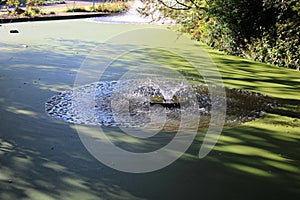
(265, 30)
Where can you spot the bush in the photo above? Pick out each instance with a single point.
(112, 7)
(280, 45)
(11, 3)
(263, 30)
(77, 9)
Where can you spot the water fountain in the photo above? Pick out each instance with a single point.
(114, 103)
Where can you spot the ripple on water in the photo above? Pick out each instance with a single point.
(129, 104)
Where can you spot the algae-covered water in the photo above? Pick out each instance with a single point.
(44, 158)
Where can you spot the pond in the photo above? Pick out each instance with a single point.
(44, 144)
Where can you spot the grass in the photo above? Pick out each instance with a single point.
(107, 7)
(111, 7)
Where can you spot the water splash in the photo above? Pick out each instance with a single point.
(152, 104)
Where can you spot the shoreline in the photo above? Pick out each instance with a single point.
(61, 16)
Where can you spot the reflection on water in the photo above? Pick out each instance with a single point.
(130, 17)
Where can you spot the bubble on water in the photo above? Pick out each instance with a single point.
(147, 103)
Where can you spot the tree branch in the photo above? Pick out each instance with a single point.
(185, 7)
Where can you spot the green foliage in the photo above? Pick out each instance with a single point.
(280, 45)
(111, 7)
(44, 2)
(11, 3)
(77, 9)
(32, 8)
(263, 30)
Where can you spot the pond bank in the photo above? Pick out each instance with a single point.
(61, 16)
(60, 12)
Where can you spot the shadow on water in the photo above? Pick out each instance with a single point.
(42, 158)
(239, 72)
